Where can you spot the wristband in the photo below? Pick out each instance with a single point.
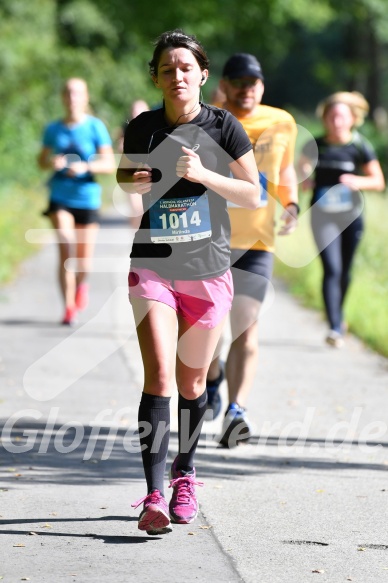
(295, 204)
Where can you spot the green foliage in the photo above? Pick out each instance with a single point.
(86, 25)
(109, 44)
(379, 139)
(24, 81)
(308, 49)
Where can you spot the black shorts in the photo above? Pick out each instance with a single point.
(81, 216)
(252, 271)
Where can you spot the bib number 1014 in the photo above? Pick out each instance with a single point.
(171, 220)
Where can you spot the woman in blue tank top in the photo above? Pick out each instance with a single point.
(75, 149)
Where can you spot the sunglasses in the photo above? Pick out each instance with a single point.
(243, 83)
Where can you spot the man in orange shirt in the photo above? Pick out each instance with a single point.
(272, 132)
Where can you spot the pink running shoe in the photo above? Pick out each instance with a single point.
(154, 517)
(70, 317)
(183, 504)
(82, 296)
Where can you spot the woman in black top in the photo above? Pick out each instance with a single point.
(179, 159)
(343, 163)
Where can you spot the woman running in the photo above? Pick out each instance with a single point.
(75, 148)
(179, 158)
(346, 165)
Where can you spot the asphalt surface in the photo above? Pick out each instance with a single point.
(305, 501)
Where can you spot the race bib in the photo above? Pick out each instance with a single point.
(179, 220)
(335, 199)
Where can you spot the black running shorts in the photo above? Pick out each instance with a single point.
(252, 271)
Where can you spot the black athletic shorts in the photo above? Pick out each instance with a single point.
(252, 271)
(81, 216)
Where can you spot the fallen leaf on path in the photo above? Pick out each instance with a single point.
(205, 527)
(349, 579)
(318, 571)
(53, 513)
(192, 533)
(32, 533)
(19, 545)
(361, 549)
(25, 579)
(46, 525)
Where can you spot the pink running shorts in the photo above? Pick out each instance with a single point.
(203, 303)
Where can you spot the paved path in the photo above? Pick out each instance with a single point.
(305, 501)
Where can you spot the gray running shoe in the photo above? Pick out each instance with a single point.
(335, 339)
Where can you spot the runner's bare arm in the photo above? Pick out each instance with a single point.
(288, 195)
(243, 189)
(47, 161)
(131, 179)
(305, 170)
(101, 163)
(373, 178)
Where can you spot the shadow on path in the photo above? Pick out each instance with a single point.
(85, 455)
(107, 539)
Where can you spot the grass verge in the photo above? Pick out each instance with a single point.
(20, 210)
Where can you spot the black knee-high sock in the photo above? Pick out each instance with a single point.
(190, 419)
(154, 433)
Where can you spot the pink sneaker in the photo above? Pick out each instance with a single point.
(70, 317)
(82, 296)
(154, 517)
(183, 504)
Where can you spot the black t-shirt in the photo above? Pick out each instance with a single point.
(337, 159)
(185, 230)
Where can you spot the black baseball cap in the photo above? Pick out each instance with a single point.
(242, 65)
